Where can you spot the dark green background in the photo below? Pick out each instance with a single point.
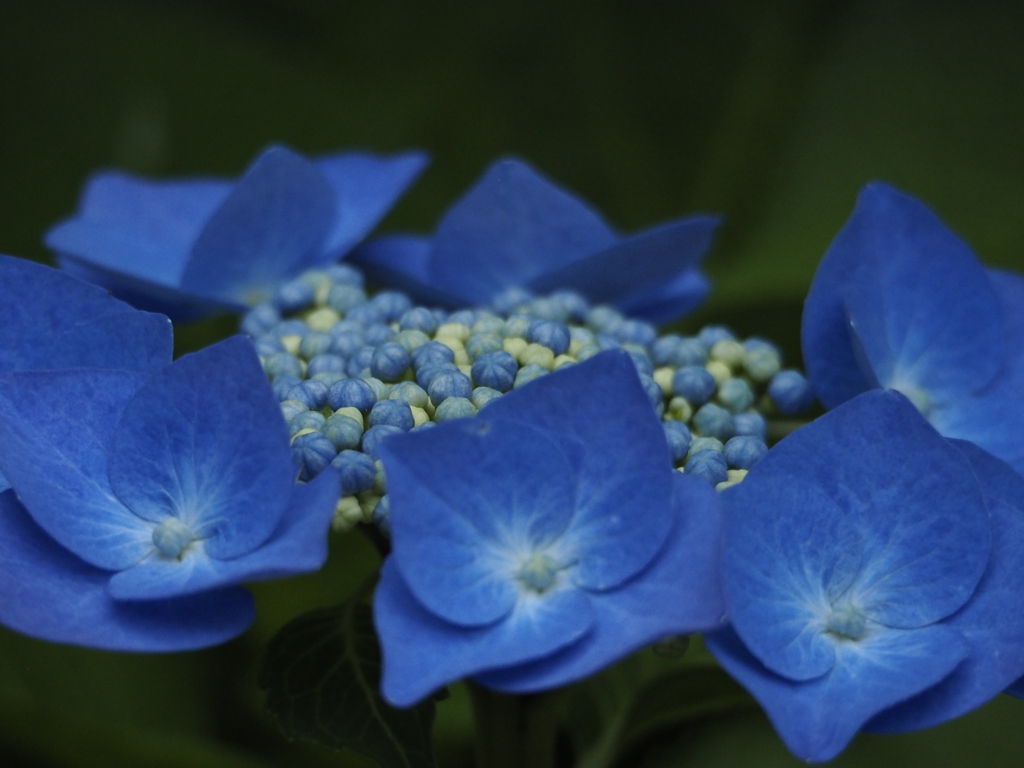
(773, 113)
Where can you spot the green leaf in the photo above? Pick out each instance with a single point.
(321, 676)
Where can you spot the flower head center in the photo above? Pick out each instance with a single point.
(847, 622)
(919, 398)
(172, 536)
(539, 572)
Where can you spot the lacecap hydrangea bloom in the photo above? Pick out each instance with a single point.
(515, 231)
(51, 320)
(874, 577)
(901, 302)
(542, 540)
(143, 499)
(195, 246)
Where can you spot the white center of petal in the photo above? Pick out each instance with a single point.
(172, 536)
(847, 622)
(539, 572)
(919, 398)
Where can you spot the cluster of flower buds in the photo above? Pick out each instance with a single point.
(351, 369)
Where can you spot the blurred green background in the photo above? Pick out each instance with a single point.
(771, 112)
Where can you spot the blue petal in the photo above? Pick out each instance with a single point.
(55, 432)
(511, 227)
(298, 545)
(401, 262)
(646, 260)
(991, 422)
(51, 594)
(1009, 287)
(204, 440)
(921, 300)
(4, 485)
(470, 502)
(136, 227)
(678, 593)
(601, 406)
(273, 225)
(992, 622)
(868, 503)
(663, 304)
(365, 187)
(817, 718)
(421, 652)
(50, 320)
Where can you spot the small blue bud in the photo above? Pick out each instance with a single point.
(282, 384)
(294, 295)
(517, 326)
(329, 377)
(394, 412)
(291, 408)
(268, 345)
(631, 331)
(282, 363)
(293, 326)
(750, 424)
(380, 389)
(424, 425)
(761, 360)
(260, 319)
(382, 514)
(710, 465)
(483, 395)
(352, 393)
(790, 392)
(736, 395)
(491, 324)
(427, 373)
(551, 333)
(312, 452)
(418, 319)
(653, 390)
(367, 314)
(357, 472)
(311, 392)
(343, 432)
(663, 349)
(604, 319)
(344, 297)
(454, 408)
(377, 334)
(694, 383)
(345, 275)
(481, 344)
(678, 436)
(606, 341)
(527, 374)
(432, 352)
(411, 339)
(713, 421)
(390, 361)
(510, 299)
(582, 336)
(467, 317)
(641, 360)
(373, 436)
(347, 343)
(315, 343)
(449, 384)
(496, 370)
(393, 304)
(326, 363)
(744, 452)
(546, 308)
(409, 392)
(712, 334)
(574, 306)
(360, 361)
(306, 420)
(699, 444)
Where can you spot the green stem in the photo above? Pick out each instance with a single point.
(515, 731)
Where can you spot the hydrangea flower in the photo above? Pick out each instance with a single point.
(51, 320)
(143, 499)
(869, 578)
(541, 540)
(516, 230)
(196, 246)
(901, 302)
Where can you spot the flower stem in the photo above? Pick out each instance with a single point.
(514, 731)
